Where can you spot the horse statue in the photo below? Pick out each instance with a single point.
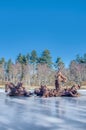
(18, 90)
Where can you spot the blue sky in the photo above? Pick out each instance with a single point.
(57, 25)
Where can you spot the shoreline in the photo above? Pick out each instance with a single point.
(33, 87)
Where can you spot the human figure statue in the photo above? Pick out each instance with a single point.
(59, 80)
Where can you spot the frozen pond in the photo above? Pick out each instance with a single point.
(42, 114)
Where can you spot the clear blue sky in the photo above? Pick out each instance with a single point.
(57, 25)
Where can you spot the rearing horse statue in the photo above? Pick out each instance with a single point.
(15, 90)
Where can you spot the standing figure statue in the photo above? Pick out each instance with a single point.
(59, 80)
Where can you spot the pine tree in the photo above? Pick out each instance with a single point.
(45, 58)
(33, 57)
(59, 64)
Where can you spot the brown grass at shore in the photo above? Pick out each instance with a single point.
(33, 87)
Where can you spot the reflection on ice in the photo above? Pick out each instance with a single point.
(42, 114)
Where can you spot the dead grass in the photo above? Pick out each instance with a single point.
(51, 87)
(33, 87)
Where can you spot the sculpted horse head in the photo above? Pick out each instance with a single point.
(9, 86)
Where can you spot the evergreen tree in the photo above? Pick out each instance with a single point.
(59, 64)
(9, 63)
(45, 58)
(28, 58)
(33, 57)
(85, 57)
(81, 59)
(22, 59)
(9, 69)
(2, 60)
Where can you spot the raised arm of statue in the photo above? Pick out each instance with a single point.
(63, 77)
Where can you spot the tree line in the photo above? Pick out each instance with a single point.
(34, 70)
